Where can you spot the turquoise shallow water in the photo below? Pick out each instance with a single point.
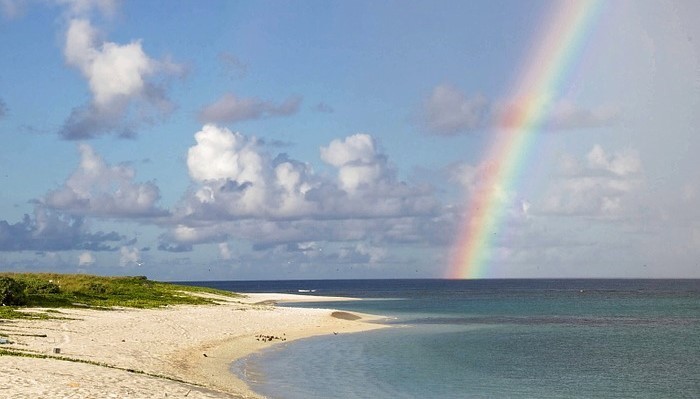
(496, 339)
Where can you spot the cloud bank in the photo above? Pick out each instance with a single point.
(51, 231)
(241, 190)
(98, 189)
(603, 185)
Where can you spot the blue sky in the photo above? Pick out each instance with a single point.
(273, 140)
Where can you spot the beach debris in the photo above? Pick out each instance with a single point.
(4, 341)
(269, 338)
(205, 355)
(56, 350)
(335, 333)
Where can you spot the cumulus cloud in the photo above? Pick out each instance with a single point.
(113, 71)
(357, 160)
(358, 148)
(231, 169)
(99, 189)
(121, 81)
(448, 112)
(237, 178)
(222, 154)
(231, 108)
(240, 190)
(601, 185)
(51, 231)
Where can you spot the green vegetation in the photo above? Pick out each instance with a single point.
(49, 290)
(11, 292)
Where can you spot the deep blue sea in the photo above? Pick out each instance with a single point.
(491, 339)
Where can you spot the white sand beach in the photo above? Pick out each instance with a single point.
(175, 351)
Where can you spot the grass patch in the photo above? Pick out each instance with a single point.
(51, 290)
(14, 312)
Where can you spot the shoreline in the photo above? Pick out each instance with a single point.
(172, 351)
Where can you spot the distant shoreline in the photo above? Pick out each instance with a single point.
(174, 350)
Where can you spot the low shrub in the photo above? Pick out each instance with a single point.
(96, 288)
(11, 292)
(41, 287)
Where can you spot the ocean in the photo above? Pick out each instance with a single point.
(490, 339)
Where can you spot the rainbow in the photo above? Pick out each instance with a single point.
(556, 50)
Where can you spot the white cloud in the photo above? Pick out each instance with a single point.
(237, 178)
(359, 148)
(231, 170)
(222, 154)
(362, 253)
(621, 163)
(375, 254)
(357, 161)
(602, 185)
(121, 81)
(129, 256)
(478, 180)
(225, 251)
(241, 191)
(98, 189)
(86, 259)
(114, 71)
(230, 108)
